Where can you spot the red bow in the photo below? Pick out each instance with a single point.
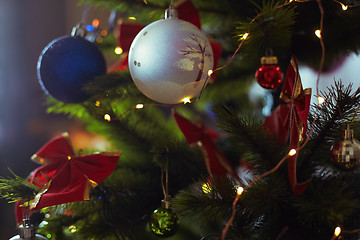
(127, 31)
(291, 119)
(216, 163)
(66, 177)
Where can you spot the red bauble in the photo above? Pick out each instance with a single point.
(269, 75)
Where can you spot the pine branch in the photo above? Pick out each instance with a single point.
(338, 109)
(16, 188)
(272, 29)
(249, 138)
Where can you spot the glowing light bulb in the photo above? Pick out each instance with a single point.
(139, 106)
(72, 229)
(132, 18)
(318, 33)
(69, 157)
(107, 117)
(210, 72)
(292, 152)
(97, 103)
(104, 33)
(239, 190)
(48, 235)
(245, 35)
(337, 231)
(118, 50)
(321, 100)
(206, 188)
(186, 100)
(344, 7)
(95, 22)
(89, 28)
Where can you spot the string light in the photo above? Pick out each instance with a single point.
(337, 231)
(132, 18)
(210, 72)
(292, 152)
(186, 100)
(96, 22)
(239, 190)
(343, 6)
(104, 33)
(98, 103)
(318, 33)
(139, 106)
(118, 50)
(72, 229)
(245, 35)
(321, 100)
(107, 117)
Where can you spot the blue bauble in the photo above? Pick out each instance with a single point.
(66, 64)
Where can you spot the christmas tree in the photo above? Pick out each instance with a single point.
(196, 158)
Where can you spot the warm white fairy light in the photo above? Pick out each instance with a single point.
(321, 100)
(245, 35)
(337, 231)
(210, 72)
(139, 106)
(132, 18)
(186, 100)
(118, 50)
(239, 190)
(292, 152)
(98, 103)
(318, 33)
(344, 7)
(107, 117)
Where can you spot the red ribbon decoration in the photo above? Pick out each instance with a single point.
(66, 177)
(216, 163)
(127, 31)
(291, 119)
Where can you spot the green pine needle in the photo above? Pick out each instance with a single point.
(16, 188)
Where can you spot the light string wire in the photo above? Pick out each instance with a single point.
(228, 224)
(232, 217)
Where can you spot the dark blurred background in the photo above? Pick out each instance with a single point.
(26, 28)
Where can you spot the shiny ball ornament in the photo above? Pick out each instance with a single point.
(269, 75)
(66, 64)
(27, 232)
(163, 222)
(169, 60)
(345, 153)
(36, 237)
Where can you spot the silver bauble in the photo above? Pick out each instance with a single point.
(169, 60)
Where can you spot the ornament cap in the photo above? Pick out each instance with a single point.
(171, 12)
(348, 133)
(269, 60)
(78, 31)
(26, 230)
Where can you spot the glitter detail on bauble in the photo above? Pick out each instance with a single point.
(345, 153)
(169, 61)
(68, 63)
